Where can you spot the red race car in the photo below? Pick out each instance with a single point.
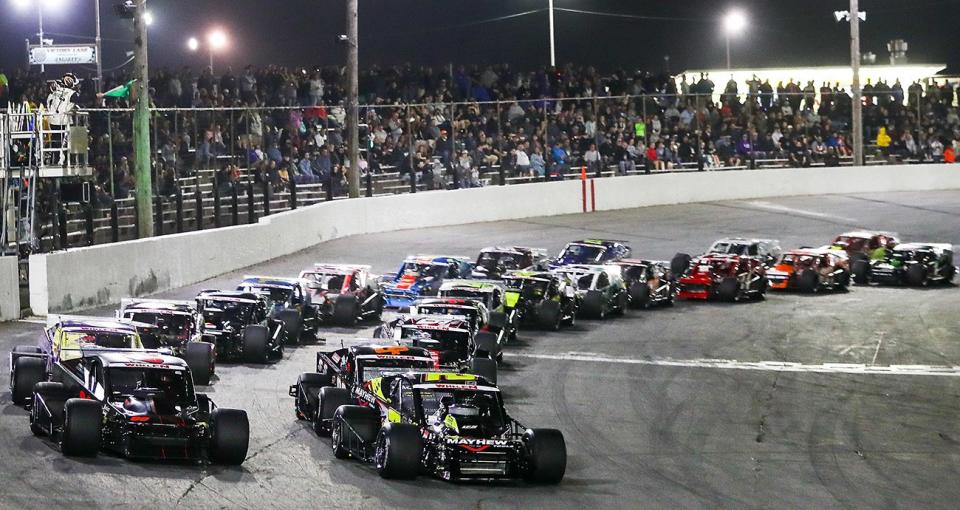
(810, 270)
(723, 277)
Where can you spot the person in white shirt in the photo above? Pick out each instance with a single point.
(522, 159)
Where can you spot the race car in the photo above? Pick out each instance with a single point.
(591, 251)
(493, 262)
(450, 339)
(724, 277)
(344, 294)
(473, 311)
(862, 247)
(343, 377)
(452, 426)
(649, 282)
(239, 325)
(601, 289)
(421, 276)
(768, 250)
(138, 405)
(504, 321)
(915, 264)
(171, 325)
(288, 303)
(62, 340)
(547, 300)
(810, 270)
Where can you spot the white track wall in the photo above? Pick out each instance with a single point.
(9, 288)
(98, 275)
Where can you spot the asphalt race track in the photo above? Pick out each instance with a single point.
(865, 418)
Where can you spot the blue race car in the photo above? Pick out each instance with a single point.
(591, 251)
(422, 275)
(289, 303)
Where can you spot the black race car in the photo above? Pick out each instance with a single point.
(591, 251)
(542, 298)
(494, 261)
(138, 405)
(450, 339)
(649, 282)
(239, 325)
(344, 293)
(915, 264)
(288, 303)
(171, 325)
(343, 377)
(452, 426)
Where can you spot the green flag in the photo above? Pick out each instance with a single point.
(640, 128)
(121, 91)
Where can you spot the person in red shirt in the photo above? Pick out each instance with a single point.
(949, 156)
(652, 156)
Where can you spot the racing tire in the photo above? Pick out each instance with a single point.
(842, 281)
(728, 289)
(546, 455)
(592, 305)
(808, 281)
(307, 382)
(230, 436)
(32, 349)
(363, 422)
(639, 295)
(54, 396)
(949, 273)
(27, 372)
(485, 344)
(549, 315)
(200, 358)
(254, 339)
(679, 264)
(623, 301)
(763, 285)
(378, 309)
(916, 275)
(398, 451)
(484, 367)
(861, 271)
(329, 399)
(498, 320)
(81, 428)
(345, 310)
(291, 325)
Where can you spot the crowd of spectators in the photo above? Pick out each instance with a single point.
(454, 125)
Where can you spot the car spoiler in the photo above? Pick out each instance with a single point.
(132, 302)
(53, 320)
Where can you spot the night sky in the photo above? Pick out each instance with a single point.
(303, 32)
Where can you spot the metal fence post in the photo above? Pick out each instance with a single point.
(251, 207)
(235, 206)
(330, 187)
(216, 206)
(114, 222)
(62, 226)
(293, 194)
(266, 198)
(89, 223)
(179, 210)
(198, 212)
(503, 177)
(369, 183)
(158, 229)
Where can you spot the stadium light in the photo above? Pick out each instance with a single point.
(148, 18)
(193, 44)
(734, 23)
(217, 39)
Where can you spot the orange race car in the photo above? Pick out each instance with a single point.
(810, 270)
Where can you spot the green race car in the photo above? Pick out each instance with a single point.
(541, 298)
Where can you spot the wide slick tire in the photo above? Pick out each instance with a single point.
(808, 281)
(639, 295)
(53, 396)
(200, 358)
(346, 310)
(916, 275)
(398, 451)
(230, 436)
(728, 289)
(485, 344)
(291, 325)
(27, 372)
(361, 422)
(592, 305)
(309, 385)
(861, 271)
(546, 456)
(329, 399)
(255, 340)
(679, 264)
(484, 367)
(548, 315)
(81, 428)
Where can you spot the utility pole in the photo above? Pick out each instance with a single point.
(40, 29)
(141, 127)
(353, 130)
(96, 8)
(857, 131)
(553, 44)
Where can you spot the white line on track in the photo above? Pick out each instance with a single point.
(759, 204)
(760, 366)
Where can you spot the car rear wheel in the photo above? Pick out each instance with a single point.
(255, 339)
(861, 271)
(729, 289)
(230, 436)
(309, 384)
(398, 451)
(484, 367)
(639, 295)
(345, 310)
(329, 399)
(27, 372)
(546, 456)
(350, 420)
(808, 281)
(593, 305)
(48, 398)
(81, 428)
(200, 358)
(916, 275)
(549, 315)
(291, 325)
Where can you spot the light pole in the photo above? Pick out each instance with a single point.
(854, 16)
(98, 42)
(141, 126)
(553, 38)
(216, 41)
(733, 24)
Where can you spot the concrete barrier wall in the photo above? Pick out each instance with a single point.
(9, 288)
(86, 277)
